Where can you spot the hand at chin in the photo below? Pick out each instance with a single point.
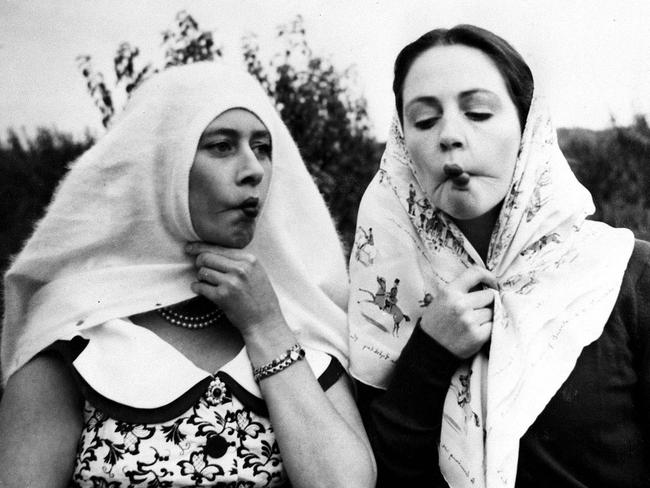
(236, 281)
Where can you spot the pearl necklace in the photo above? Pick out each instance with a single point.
(187, 320)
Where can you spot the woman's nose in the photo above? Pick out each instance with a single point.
(251, 171)
(451, 135)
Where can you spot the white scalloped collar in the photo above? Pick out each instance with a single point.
(132, 365)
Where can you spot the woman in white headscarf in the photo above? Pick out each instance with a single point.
(178, 316)
(499, 339)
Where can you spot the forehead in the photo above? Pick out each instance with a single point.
(448, 70)
(237, 119)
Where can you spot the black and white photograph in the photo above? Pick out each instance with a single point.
(342, 244)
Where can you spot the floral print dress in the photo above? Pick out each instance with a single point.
(218, 433)
(218, 442)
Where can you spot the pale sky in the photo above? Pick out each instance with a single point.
(591, 57)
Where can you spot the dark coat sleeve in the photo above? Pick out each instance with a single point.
(403, 422)
(595, 431)
(641, 331)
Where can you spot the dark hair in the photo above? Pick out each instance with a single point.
(513, 68)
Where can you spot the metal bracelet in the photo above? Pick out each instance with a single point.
(293, 354)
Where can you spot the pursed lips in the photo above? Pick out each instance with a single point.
(250, 207)
(457, 175)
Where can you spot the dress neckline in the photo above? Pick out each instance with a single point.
(131, 365)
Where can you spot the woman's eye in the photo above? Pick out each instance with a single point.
(424, 124)
(220, 147)
(262, 150)
(478, 116)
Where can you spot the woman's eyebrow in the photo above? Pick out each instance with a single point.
(226, 131)
(261, 133)
(220, 131)
(479, 93)
(425, 100)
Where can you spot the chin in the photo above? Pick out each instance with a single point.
(240, 238)
(461, 210)
(235, 239)
(240, 243)
(469, 214)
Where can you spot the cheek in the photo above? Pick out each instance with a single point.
(198, 191)
(510, 134)
(503, 147)
(199, 206)
(509, 151)
(422, 151)
(266, 184)
(208, 193)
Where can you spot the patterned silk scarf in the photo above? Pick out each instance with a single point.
(558, 274)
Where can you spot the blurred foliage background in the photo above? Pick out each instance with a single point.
(326, 114)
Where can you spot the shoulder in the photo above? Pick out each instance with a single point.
(633, 305)
(641, 253)
(637, 274)
(46, 376)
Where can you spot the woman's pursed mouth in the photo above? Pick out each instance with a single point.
(250, 207)
(456, 174)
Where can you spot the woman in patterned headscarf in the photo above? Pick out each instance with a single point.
(499, 339)
(178, 316)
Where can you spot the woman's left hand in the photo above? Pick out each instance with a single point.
(236, 281)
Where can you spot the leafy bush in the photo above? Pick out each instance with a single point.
(614, 164)
(31, 167)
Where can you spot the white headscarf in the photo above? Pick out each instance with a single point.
(559, 276)
(111, 243)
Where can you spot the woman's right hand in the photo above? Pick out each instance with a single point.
(236, 281)
(460, 320)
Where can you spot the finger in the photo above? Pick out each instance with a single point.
(473, 276)
(215, 261)
(210, 276)
(481, 316)
(483, 332)
(211, 292)
(481, 298)
(196, 248)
